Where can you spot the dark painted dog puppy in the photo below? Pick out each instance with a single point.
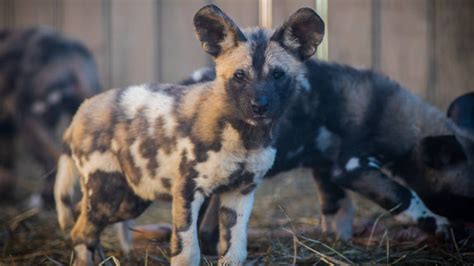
(131, 146)
(444, 165)
(346, 127)
(44, 77)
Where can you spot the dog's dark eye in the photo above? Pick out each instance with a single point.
(239, 75)
(278, 74)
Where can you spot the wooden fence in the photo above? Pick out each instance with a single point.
(426, 45)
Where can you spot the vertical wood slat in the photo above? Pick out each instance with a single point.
(244, 12)
(6, 13)
(376, 34)
(282, 9)
(180, 51)
(454, 38)
(30, 13)
(85, 21)
(323, 49)
(265, 13)
(132, 42)
(350, 29)
(404, 31)
(431, 61)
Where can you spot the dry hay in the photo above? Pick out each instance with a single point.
(32, 237)
(278, 235)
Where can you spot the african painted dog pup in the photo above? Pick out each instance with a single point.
(131, 146)
(44, 77)
(350, 124)
(445, 165)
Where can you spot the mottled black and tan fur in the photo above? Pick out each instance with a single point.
(134, 145)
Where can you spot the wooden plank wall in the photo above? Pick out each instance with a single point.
(426, 45)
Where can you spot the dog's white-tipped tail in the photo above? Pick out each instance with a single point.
(66, 178)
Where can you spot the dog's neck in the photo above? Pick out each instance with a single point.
(215, 112)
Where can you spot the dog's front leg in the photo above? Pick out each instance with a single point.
(184, 240)
(234, 213)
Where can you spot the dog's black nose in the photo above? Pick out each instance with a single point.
(259, 105)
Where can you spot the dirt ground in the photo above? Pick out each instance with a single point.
(287, 204)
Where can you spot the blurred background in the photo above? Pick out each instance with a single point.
(426, 45)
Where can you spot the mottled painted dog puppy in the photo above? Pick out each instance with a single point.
(347, 126)
(44, 77)
(131, 146)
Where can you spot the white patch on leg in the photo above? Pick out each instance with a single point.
(340, 223)
(125, 235)
(83, 255)
(352, 164)
(242, 205)
(190, 253)
(417, 210)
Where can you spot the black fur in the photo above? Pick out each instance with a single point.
(325, 105)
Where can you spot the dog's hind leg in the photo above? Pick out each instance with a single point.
(364, 176)
(336, 206)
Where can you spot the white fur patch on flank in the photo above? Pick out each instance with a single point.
(352, 164)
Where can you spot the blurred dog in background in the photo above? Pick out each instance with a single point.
(44, 77)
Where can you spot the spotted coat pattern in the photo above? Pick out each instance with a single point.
(133, 145)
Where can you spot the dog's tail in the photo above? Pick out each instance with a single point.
(66, 179)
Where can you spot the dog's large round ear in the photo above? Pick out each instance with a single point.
(301, 33)
(461, 112)
(216, 31)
